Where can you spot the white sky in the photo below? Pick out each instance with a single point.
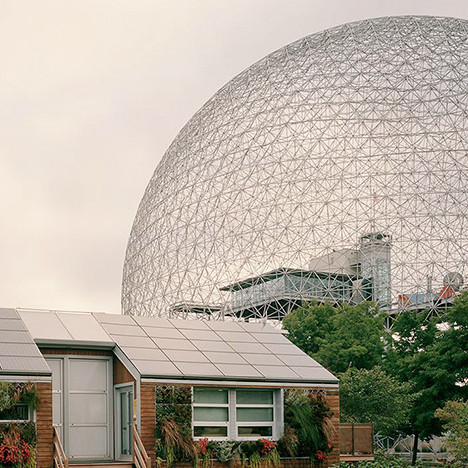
(92, 92)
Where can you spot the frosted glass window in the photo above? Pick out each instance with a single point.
(205, 413)
(254, 397)
(220, 413)
(210, 395)
(254, 414)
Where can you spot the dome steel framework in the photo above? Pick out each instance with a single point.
(336, 169)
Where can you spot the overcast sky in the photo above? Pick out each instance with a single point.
(92, 92)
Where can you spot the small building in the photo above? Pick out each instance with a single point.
(98, 375)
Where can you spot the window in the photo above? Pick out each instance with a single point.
(254, 413)
(210, 412)
(236, 413)
(19, 412)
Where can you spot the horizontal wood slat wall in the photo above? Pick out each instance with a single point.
(45, 435)
(333, 401)
(121, 373)
(148, 419)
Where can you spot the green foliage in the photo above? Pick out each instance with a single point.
(28, 393)
(273, 458)
(454, 415)
(255, 460)
(223, 450)
(175, 443)
(288, 444)
(12, 393)
(173, 403)
(306, 413)
(26, 430)
(248, 447)
(7, 400)
(433, 357)
(32, 462)
(374, 396)
(382, 462)
(339, 337)
(428, 358)
(174, 423)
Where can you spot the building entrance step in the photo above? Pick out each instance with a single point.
(100, 464)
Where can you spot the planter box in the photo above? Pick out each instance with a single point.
(285, 463)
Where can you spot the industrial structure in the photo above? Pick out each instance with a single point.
(335, 168)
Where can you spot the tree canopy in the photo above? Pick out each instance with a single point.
(454, 415)
(339, 337)
(374, 396)
(425, 361)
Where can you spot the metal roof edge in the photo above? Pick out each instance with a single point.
(127, 362)
(25, 376)
(241, 383)
(74, 344)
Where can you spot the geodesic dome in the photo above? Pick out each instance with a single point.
(336, 168)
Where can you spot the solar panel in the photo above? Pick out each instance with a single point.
(18, 352)
(160, 347)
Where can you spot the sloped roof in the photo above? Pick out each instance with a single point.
(181, 349)
(19, 354)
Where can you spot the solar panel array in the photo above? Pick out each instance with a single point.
(183, 348)
(226, 350)
(18, 352)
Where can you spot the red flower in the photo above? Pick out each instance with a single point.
(320, 455)
(15, 450)
(202, 445)
(267, 447)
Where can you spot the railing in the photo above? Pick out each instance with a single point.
(140, 457)
(60, 459)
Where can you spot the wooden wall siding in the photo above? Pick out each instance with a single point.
(45, 435)
(333, 400)
(76, 352)
(121, 373)
(148, 419)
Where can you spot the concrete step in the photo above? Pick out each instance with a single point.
(106, 464)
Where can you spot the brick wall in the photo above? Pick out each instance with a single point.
(44, 426)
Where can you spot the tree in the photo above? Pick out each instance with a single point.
(433, 357)
(454, 415)
(374, 396)
(429, 355)
(339, 337)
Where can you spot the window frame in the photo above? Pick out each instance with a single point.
(271, 423)
(233, 424)
(19, 421)
(211, 423)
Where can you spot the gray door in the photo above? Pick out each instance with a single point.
(124, 420)
(81, 405)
